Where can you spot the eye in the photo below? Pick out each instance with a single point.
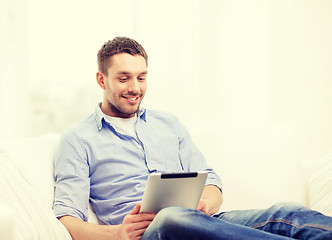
(141, 78)
(123, 79)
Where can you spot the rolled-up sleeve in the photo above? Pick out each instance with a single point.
(72, 182)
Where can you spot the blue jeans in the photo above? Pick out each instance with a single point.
(281, 221)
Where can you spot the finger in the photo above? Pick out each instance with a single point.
(203, 210)
(146, 216)
(201, 205)
(136, 229)
(139, 233)
(138, 218)
(140, 229)
(136, 209)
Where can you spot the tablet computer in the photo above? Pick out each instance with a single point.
(173, 189)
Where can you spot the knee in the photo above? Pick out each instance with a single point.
(173, 218)
(169, 217)
(165, 222)
(288, 207)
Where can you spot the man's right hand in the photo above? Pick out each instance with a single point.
(132, 227)
(135, 224)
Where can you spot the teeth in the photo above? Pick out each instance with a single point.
(132, 98)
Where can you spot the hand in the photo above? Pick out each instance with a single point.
(210, 201)
(202, 206)
(135, 223)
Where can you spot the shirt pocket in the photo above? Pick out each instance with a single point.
(163, 155)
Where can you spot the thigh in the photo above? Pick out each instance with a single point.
(286, 219)
(178, 223)
(248, 218)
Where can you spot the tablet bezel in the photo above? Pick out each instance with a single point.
(173, 189)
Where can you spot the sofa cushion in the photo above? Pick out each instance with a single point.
(19, 189)
(34, 158)
(320, 184)
(6, 222)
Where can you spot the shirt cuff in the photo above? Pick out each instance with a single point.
(61, 210)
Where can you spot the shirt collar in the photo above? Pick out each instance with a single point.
(142, 113)
(99, 115)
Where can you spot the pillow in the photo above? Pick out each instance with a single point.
(33, 216)
(320, 185)
(34, 159)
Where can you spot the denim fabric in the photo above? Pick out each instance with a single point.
(281, 221)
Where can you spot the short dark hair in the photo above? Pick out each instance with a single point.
(116, 46)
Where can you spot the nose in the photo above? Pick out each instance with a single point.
(133, 86)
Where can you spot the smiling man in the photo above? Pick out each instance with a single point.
(107, 157)
(124, 84)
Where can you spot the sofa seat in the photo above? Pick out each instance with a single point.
(27, 187)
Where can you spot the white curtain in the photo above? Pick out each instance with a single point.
(256, 74)
(251, 80)
(14, 102)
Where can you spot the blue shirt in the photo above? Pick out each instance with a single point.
(94, 162)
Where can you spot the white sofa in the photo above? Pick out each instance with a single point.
(26, 186)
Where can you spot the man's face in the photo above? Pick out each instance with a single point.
(124, 85)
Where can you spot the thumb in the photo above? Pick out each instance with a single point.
(136, 209)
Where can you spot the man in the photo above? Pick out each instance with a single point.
(108, 156)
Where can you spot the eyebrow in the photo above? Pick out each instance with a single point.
(129, 73)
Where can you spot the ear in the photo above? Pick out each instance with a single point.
(100, 79)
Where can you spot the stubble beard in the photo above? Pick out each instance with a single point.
(121, 111)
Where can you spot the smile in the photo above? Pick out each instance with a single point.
(131, 100)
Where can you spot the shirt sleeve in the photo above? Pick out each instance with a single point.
(193, 160)
(72, 182)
